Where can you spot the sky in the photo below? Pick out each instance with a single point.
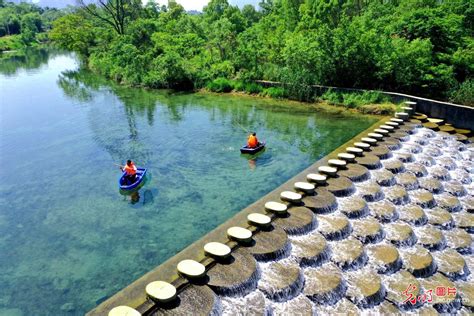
(199, 4)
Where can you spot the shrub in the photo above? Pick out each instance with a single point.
(464, 94)
(332, 97)
(380, 109)
(253, 88)
(274, 92)
(220, 85)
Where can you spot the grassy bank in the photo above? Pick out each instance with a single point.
(367, 102)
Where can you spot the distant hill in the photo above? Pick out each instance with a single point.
(48, 3)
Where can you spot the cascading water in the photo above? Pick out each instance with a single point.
(404, 225)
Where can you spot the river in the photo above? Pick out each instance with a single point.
(68, 237)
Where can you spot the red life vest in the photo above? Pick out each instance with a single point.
(130, 170)
(252, 142)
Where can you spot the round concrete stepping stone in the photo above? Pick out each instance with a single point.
(259, 220)
(451, 264)
(447, 304)
(397, 195)
(346, 157)
(349, 254)
(276, 207)
(281, 281)
(191, 269)
(300, 305)
(290, 196)
(394, 166)
(365, 289)
(392, 143)
(463, 131)
(440, 218)
(461, 138)
(422, 198)
(431, 125)
(368, 230)
(413, 214)
(400, 234)
(465, 221)
(330, 171)
(425, 160)
(411, 127)
(415, 121)
(371, 192)
(270, 245)
(393, 124)
(448, 202)
(432, 185)
(377, 136)
(369, 161)
(234, 277)
(317, 178)
(433, 151)
(401, 136)
(304, 187)
(447, 163)
(455, 188)
(384, 211)
(413, 148)
(355, 151)
(405, 157)
(363, 146)
(435, 120)
(440, 173)
(399, 282)
(191, 297)
(160, 291)
(324, 285)
(402, 115)
(431, 238)
(466, 291)
(355, 173)
(387, 128)
(217, 250)
(397, 120)
(300, 220)
(420, 116)
(323, 202)
(311, 249)
(341, 307)
(447, 129)
(407, 180)
(416, 169)
(123, 311)
(381, 131)
(420, 140)
(337, 163)
(251, 304)
(384, 178)
(468, 204)
(385, 258)
(340, 186)
(386, 308)
(369, 140)
(354, 207)
(460, 240)
(334, 227)
(239, 234)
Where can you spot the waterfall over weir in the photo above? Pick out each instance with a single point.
(402, 225)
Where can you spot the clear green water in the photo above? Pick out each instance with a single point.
(68, 237)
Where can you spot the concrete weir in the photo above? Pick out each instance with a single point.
(385, 216)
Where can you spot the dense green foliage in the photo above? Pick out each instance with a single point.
(24, 24)
(423, 47)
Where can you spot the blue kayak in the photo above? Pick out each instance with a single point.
(248, 150)
(124, 185)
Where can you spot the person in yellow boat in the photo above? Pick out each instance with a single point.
(252, 141)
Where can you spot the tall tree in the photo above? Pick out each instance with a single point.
(115, 13)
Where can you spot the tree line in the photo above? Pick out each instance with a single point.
(422, 47)
(24, 24)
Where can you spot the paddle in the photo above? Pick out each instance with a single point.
(244, 129)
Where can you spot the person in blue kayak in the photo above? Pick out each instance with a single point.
(252, 141)
(130, 171)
